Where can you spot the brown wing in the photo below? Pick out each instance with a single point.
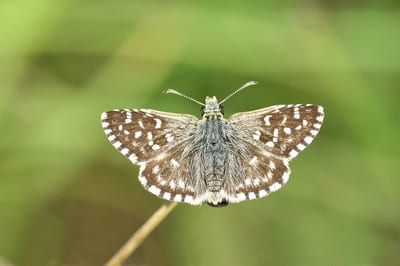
(282, 130)
(143, 134)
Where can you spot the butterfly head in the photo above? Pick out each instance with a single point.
(212, 108)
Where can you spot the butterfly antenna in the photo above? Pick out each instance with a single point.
(183, 95)
(248, 84)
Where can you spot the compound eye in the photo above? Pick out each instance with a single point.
(202, 110)
(221, 108)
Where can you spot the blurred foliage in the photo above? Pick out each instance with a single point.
(68, 198)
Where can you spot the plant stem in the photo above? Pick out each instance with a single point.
(137, 238)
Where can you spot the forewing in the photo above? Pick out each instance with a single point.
(143, 134)
(281, 130)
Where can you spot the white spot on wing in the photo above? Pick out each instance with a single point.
(133, 158)
(271, 165)
(117, 144)
(247, 181)
(156, 147)
(285, 176)
(189, 199)
(252, 195)
(181, 184)
(300, 146)
(125, 151)
(296, 113)
(287, 130)
(269, 174)
(168, 135)
(155, 169)
(293, 153)
(149, 135)
(167, 195)
(266, 119)
(105, 124)
(275, 187)
(256, 137)
(178, 197)
(174, 163)
(262, 193)
(128, 120)
(253, 160)
(308, 139)
(138, 134)
(143, 180)
(241, 196)
(276, 131)
(238, 187)
(158, 122)
(270, 144)
(141, 124)
(155, 190)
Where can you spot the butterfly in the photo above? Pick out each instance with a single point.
(213, 160)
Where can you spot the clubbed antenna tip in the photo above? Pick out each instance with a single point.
(183, 95)
(247, 84)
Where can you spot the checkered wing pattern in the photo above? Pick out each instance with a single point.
(272, 136)
(143, 135)
(213, 160)
(260, 174)
(155, 141)
(281, 130)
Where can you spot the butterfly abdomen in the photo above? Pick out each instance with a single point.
(214, 150)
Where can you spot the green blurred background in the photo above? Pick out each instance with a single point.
(67, 197)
